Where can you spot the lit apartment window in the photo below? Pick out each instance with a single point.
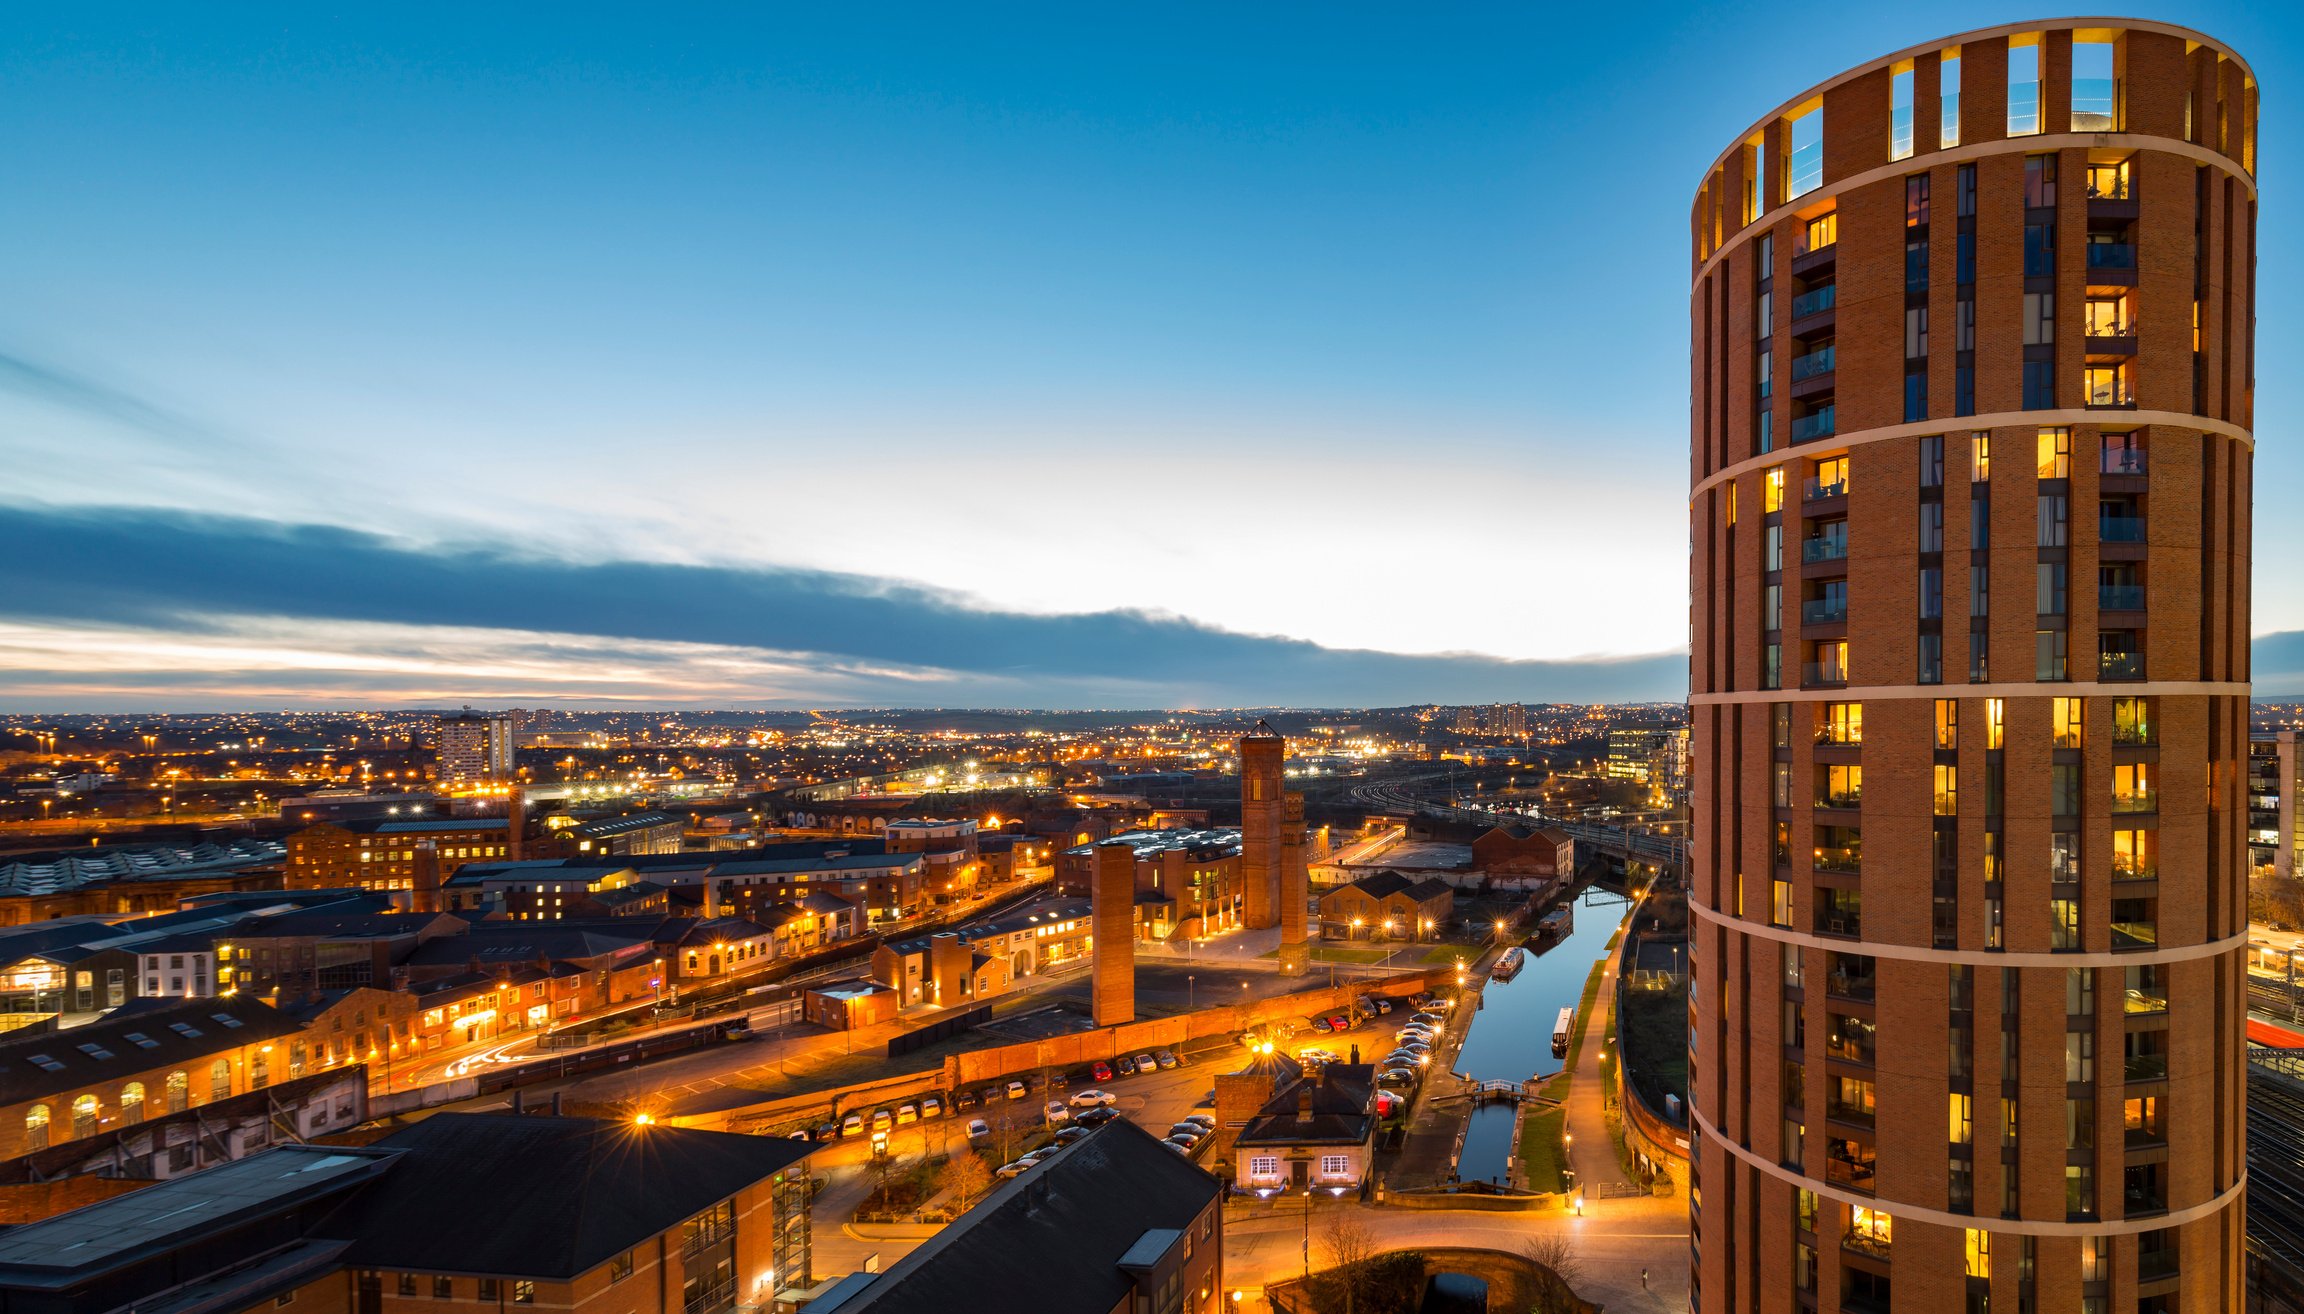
(1947, 723)
(2095, 87)
(2108, 180)
(2055, 447)
(1841, 723)
(1772, 498)
(1807, 160)
(1947, 794)
(1900, 113)
(2070, 722)
(1818, 233)
(2024, 85)
(1995, 722)
(2108, 385)
(1948, 93)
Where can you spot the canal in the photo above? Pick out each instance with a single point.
(1511, 1036)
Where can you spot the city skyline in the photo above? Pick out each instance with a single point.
(1013, 378)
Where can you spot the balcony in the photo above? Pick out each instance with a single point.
(1825, 547)
(1812, 364)
(1843, 798)
(2133, 936)
(2135, 800)
(1824, 611)
(1808, 428)
(1849, 1167)
(2111, 263)
(2123, 461)
(1816, 490)
(1823, 675)
(2126, 868)
(1848, 859)
(2119, 597)
(1815, 302)
(2145, 1067)
(2108, 388)
(2141, 1001)
(2120, 529)
(2118, 666)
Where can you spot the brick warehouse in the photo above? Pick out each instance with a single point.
(2016, 940)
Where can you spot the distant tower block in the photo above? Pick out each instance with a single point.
(1113, 954)
(1261, 752)
(1295, 888)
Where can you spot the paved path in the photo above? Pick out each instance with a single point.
(1589, 1151)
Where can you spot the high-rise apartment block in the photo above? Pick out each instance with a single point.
(472, 749)
(1968, 852)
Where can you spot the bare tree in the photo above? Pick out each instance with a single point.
(1349, 1244)
(1554, 1254)
(968, 1176)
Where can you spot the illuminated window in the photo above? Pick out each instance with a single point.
(1841, 723)
(1947, 723)
(1773, 497)
(1818, 233)
(1755, 178)
(1963, 1118)
(36, 1127)
(1947, 796)
(1979, 1253)
(2055, 453)
(1995, 712)
(2069, 715)
(1980, 458)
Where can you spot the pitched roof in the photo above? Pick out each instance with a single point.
(1053, 1240)
(443, 1206)
(1343, 1103)
(138, 1038)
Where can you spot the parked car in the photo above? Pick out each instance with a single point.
(965, 1100)
(1339, 1023)
(882, 1120)
(1387, 1104)
(1383, 1005)
(1060, 1080)
(1015, 1169)
(1100, 1071)
(1018, 1090)
(1058, 1113)
(1184, 1150)
(1320, 1024)
(1035, 1156)
(1096, 1117)
(1144, 1063)
(1396, 1077)
(1092, 1098)
(978, 1129)
(1201, 1120)
(907, 1114)
(1123, 1067)
(1182, 1143)
(1165, 1059)
(931, 1107)
(1415, 1046)
(1070, 1134)
(1191, 1129)
(852, 1125)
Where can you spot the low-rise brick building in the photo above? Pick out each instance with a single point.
(1387, 906)
(375, 854)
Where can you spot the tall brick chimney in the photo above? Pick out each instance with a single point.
(516, 823)
(1262, 751)
(425, 885)
(1113, 925)
(1295, 882)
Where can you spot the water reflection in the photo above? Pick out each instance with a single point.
(1511, 1036)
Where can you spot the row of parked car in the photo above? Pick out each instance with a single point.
(1184, 1138)
(1412, 1047)
(882, 1120)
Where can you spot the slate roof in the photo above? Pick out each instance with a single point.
(1343, 1103)
(130, 1040)
(1385, 884)
(443, 1206)
(1051, 1241)
(419, 826)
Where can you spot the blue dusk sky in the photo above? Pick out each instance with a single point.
(1176, 355)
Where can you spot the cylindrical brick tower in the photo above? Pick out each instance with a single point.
(1972, 342)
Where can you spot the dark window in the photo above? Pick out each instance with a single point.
(1967, 187)
(488, 1289)
(1915, 397)
(2039, 182)
(1916, 201)
(1963, 390)
(2039, 385)
(2039, 250)
(443, 1288)
(1964, 258)
(1916, 266)
(1931, 659)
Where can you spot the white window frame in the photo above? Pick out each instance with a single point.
(1264, 1165)
(1335, 1165)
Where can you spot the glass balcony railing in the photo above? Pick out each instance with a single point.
(1824, 547)
(1818, 488)
(2093, 101)
(1848, 859)
(1823, 611)
(1814, 302)
(2123, 461)
(2120, 529)
(2120, 597)
(2134, 869)
(2135, 935)
(2144, 1001)
(1823, 675)
(2145, 1067)
(2120, 665)
(2108, 388)
(1812, 364)
(1817, 425)
(2111, 255)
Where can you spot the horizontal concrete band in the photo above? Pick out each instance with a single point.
(2064, 417)
(2224, 1199)
(1858, 693)
(1980, 957)
(2034, 145)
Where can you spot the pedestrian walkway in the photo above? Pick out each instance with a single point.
(1589, 1150)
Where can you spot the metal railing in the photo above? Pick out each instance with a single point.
(1815, 301)
(1817, 425)
(1811, 365)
